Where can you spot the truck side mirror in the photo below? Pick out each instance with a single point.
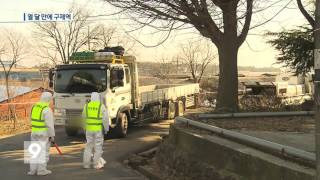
(113, 84)
(120, 74)
(117, 77)
(51, 77)
(121, 78)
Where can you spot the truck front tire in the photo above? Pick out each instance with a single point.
(121, 130)
(171, 111)
(180, 108)
(156, 113)
(71, 131)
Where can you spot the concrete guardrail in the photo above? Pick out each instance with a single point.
(257, 142)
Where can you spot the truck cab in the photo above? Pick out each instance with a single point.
(74, 83)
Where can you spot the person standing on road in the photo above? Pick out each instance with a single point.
(96, 120)
(42, 129)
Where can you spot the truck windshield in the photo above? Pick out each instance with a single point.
(80, 81)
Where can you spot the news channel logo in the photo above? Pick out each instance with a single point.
(35, 152)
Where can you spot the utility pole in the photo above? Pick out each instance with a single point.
(316, 34)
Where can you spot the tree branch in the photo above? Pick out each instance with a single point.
(305, 13)
(246, 26)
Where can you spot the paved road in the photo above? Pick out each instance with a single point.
(69, 165)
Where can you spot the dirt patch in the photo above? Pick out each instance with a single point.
(145, 164)
(171, 163)
(166, 162)
(7, 127)
(283, 124)
(275, 124)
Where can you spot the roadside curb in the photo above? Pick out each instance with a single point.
(11, 135)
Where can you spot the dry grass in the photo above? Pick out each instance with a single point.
(275, 124)
(7, 127)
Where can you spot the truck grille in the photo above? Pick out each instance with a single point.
(74, 113)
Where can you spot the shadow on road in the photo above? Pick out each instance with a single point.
(69, 165)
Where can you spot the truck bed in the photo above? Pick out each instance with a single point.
(156, 93)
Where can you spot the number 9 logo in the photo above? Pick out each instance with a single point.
(34, 149)
(34, 152)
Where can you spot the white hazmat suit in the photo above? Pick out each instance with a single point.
(47, 115)
(95, 139)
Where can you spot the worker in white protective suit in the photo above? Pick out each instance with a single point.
(42, 129)
(96, 119)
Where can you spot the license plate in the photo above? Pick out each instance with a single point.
(59, 122)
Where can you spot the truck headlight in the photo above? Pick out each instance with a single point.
(59, 112)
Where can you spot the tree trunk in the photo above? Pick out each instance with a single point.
(8, 95)
(228, 47)
(227, 100)
(195, 80)
(7, 87)
(10, 108)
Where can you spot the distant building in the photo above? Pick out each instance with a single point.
(23, 74)
(8, 64)
(14, 91)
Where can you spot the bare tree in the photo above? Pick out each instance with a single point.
(59, 40)
(220, 21)
(12, 51)
(225, 22)
(111, 36)
(105, 36)
(197, 56)
(128, 43)
(66, 38)
(43, 53)
(164, 69)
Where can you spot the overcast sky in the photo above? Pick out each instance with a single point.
(254, 52)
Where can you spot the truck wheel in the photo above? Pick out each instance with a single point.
(180, 108)
(121, 129)
(171, 110)
(156, 113)
(71, 131)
